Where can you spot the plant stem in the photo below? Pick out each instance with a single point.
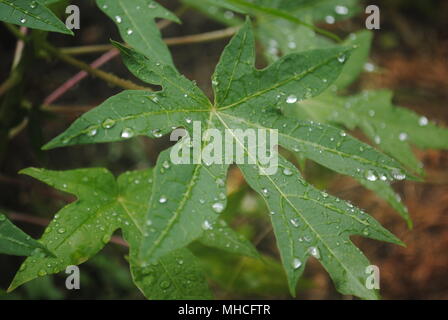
(70, 83)
(19, 48)
(15, 31)
(203, 37)
(66, 109)
(196, 38)
(108, 77)
(9, 83)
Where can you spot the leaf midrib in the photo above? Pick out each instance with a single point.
(283, 195)
(312, 144)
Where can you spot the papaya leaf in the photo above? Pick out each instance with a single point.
(14, 241)
(282, 37)
(186, 198)
(135, 21)
(32, 14)
(81, 229)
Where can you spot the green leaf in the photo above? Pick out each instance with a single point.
(81, 229)
(135, 21)
(392, 128)
(282, 37)
(385, 191)
(186, 198)
(309, 223)
(179, 209)
(32, 14)
(216, 10)
(355, 65)
(14, 241)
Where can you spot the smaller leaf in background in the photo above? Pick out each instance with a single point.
(219, 235)
(136, 22)
(32, 14)
(393, 129)
(361, 42)
(216, 10)
(14, 241)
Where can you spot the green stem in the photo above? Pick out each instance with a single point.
(176, 41)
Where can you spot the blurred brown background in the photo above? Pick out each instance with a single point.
(411, 51)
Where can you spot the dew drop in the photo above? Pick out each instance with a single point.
(23, 20)
(295, 222)
(370, 175)
(229, 15)
(369, 67)
(423, 121)
(287, 172)
(291, 99)
(166, 164)
(61, 230)
(265, 192)
(342, 10)
(206, 225)
(220, 182)
(403, 136)
(296, 263)
(398, 175)
(218, 207)
(342, 58)
(118, 19)
(330, 19)
(163, 199)
(127, 133)
(129, 32)
(314, 251)
(157, 133)
(292, 45)
(108, 123)
(92, 131)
